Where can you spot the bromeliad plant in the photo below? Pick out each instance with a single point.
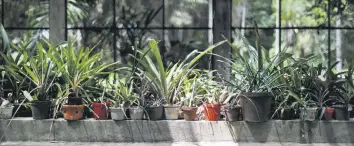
(77, 66)
(166, 81)
(258, 77)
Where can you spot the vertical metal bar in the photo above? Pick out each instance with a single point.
(279, 29)
(2, 12)
(329, 33)
(114, 26)
(66, 20)
(163, 22)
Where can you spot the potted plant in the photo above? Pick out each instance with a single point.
(39, 70)
(77, 66)
(214, 98)
(258, 77)
(165, 83)
(6, 106)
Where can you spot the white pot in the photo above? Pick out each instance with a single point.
(117, 113)
(136, 113)
(6, 112)
(308, 114)
(171, 112)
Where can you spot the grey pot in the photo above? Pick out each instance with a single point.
(117, 113)
(6, 112)
(136, 113)
(171, 112)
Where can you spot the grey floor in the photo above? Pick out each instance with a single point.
(166, 144)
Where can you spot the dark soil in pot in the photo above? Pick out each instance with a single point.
(341, 112)
(154, 113)
(40, 109)
(256, 106)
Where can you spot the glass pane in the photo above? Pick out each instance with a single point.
(305, 42)
(342, 14)
(102, 38)
(139, 13)
(16, 35)
(26, 13)
(303, 13)
(190, 13)
(245, 11)
(126, 39)
(180, 42)
(342, 43)
(97, 13)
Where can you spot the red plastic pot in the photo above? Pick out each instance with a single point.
(101, 110)
(329, 113)
(212, 112)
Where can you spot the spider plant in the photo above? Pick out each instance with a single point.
(166, 82)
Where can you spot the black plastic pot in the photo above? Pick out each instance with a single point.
(154, 113)
(232, 113)
(40, 109)
(256, 106)
(341, 112)
(286, 114)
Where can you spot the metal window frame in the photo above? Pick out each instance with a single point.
(113, 29)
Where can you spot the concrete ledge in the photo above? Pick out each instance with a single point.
(26, 129)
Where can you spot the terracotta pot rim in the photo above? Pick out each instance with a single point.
(212, 105)
(73, 106)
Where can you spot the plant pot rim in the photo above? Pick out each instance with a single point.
(69, 105)
(211, 105)
(155, 106)
(116, 107)
(339, 105)
(171, 106)
(256, 94)
(40, 101)
(7, 106)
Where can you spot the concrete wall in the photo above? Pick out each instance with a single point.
(26, 129)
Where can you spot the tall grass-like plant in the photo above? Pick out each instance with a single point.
(77, 65)
(166, 81)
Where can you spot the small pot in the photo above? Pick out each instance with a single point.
(308, 114)
(190, 113)
(329, 113)
(6, 112)
(212, 112)
(171, 112)
(286, 113)
(40, 109)
(136, 113)
(73, 112)
(101, 110)
(117, 113)
(341, 112)
(154, 113)
(232, 113)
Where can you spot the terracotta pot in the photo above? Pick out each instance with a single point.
(329, 113)
(101, 110)
(73, 112)
(212, 112)
(190, 113)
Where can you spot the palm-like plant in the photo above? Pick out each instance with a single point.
(77, 65)
(166, 81)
